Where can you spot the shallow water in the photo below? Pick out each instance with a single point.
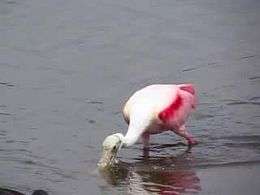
(66, 68)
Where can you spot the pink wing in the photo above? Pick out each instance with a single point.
(181, 105)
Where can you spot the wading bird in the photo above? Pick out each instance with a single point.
(152, 110)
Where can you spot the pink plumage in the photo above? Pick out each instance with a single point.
(158, 108)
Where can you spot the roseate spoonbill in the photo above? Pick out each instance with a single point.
(152, 110)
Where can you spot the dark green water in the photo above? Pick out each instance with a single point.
(66, 68)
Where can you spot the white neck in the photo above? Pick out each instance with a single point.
(127, 140)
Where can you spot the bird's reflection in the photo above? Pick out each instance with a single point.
(156, 175)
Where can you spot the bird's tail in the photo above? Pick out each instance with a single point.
(190, 89)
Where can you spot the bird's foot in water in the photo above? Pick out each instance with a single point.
(192, 142)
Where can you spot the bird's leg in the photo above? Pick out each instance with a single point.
(145, 140)
(188, 136)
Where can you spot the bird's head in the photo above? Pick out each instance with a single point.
(110, 147)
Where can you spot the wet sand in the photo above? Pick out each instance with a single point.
(67, 67)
